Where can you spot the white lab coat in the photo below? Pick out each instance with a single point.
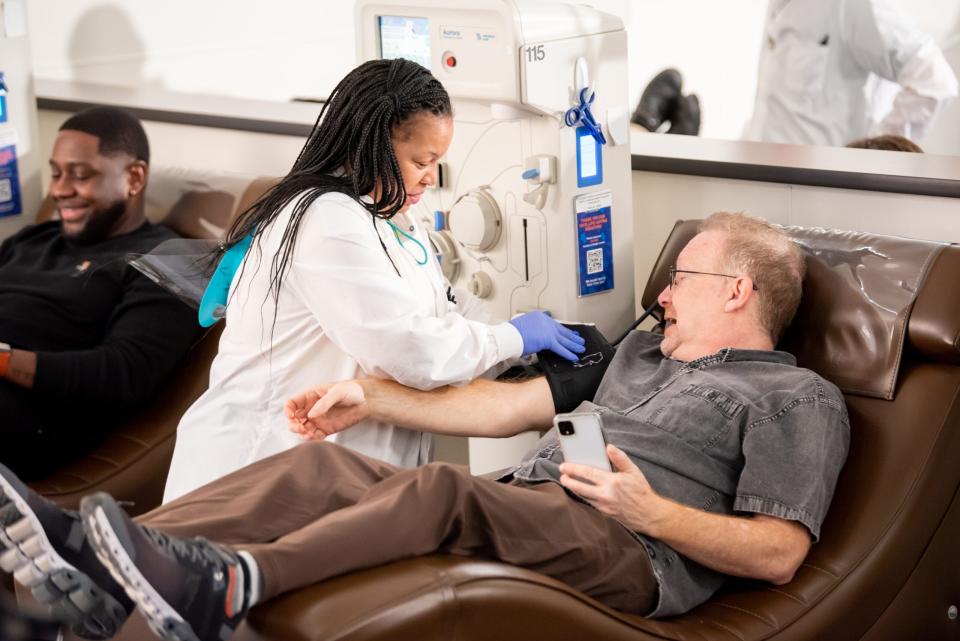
(343, 312)
(821, 65)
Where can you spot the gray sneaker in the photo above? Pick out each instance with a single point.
(46, 550)
(186, 589)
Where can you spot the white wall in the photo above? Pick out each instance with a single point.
(300, 48)
(273, 50)
(714, 44)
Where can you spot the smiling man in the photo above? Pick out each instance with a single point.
(726, 455)
(84, 339)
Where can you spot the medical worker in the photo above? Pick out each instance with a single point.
(823, 65)
(339, 281)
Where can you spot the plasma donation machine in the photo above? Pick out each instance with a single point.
(533, 208)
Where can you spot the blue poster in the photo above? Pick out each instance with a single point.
(594, 242)
(9, 183)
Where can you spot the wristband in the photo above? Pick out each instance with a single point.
(5, 352)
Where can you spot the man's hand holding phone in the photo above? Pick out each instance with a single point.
(582, 440)
(623, 494)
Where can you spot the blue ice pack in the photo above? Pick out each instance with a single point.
(213, 305)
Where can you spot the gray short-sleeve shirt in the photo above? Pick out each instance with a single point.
(738, 431)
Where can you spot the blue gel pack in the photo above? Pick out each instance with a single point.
(213, 305)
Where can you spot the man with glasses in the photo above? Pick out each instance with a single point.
(726, 455)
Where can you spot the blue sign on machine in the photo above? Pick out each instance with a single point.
(594, 242)
(589, 159)
(10, 204)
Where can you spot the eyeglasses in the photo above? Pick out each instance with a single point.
(674, 271)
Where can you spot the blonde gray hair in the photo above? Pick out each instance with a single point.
(755, 248)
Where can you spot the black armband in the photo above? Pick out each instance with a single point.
(572, 383)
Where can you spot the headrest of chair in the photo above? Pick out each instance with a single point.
(934, 329)
(857, 297)
(683, 231)
(194, 203)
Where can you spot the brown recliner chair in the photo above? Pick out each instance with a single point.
(886, 567)
(132, 462)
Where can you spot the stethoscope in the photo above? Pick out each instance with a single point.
(402, 237)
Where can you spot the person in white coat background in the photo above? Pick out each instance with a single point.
(822, 69)
(339, 282)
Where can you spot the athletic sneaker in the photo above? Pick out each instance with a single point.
(187, 589)
(46, 550)
(21, 626)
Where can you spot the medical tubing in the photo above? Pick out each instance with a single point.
(466, 158)
(399, 232)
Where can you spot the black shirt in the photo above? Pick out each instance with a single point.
(106, 337)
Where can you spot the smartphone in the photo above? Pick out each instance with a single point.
(582, 440)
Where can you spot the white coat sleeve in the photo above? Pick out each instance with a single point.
(343, 276)
(881, 40)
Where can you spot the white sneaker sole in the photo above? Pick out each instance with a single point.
(160, 616)
(70, 594)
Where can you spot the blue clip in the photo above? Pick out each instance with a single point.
(530, 174)
(213, 305)
(583, 117)
(3, 98)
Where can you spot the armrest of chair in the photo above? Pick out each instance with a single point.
(132, 462)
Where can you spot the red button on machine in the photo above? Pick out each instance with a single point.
(451, 61)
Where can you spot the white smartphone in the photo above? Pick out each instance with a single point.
(582, 440)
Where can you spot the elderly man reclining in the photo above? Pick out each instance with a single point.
(726, 457)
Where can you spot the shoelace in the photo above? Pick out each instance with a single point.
(198, 551)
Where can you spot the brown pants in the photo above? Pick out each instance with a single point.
(320, 510)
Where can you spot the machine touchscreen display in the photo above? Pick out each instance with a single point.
(405, 37)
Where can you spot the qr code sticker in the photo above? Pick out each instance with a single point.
(6, 193)
(594, 261)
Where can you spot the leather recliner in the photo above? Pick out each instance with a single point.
(886, 566)
(132, 462)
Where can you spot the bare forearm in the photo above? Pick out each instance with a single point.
(22, 368)
(482, 408)
(759, 547)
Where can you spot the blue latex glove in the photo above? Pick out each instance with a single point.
(539, 331)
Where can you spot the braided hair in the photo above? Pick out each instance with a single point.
(349, 150)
